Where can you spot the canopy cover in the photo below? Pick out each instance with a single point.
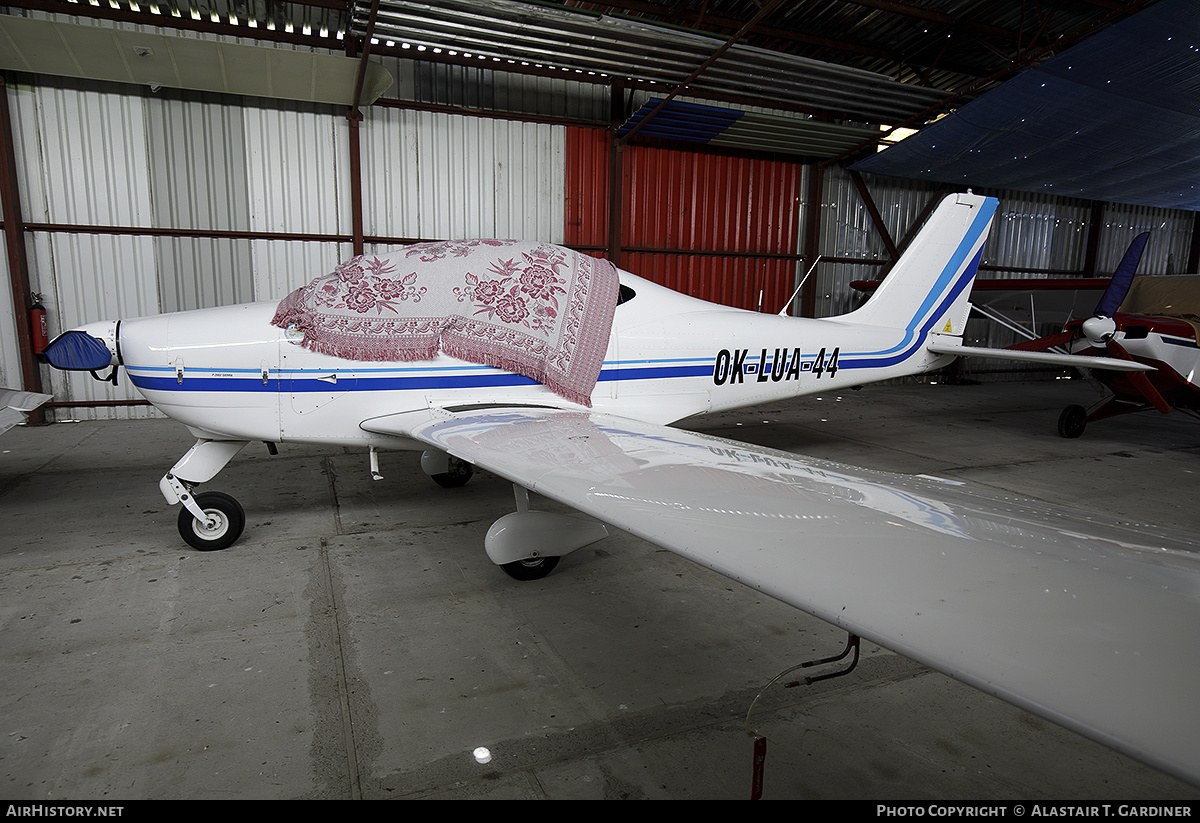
(534, 309)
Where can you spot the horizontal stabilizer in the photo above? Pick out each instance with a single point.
(1071, 361)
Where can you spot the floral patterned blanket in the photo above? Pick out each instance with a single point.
(535, 309)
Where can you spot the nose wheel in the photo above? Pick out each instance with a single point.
(535, 568)
(224, 520)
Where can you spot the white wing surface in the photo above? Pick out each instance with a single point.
(1089, 624)
(15, 406)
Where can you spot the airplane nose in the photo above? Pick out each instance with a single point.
(86, 348)
(1099, 330)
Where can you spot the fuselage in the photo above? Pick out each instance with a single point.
(229, 374)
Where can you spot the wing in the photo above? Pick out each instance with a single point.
(15, 406)
(1089, 625)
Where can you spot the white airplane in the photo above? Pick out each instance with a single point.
(1089, 624)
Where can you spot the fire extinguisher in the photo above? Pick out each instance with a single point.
(38, 329)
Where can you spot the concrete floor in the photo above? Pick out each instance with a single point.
(357, 643)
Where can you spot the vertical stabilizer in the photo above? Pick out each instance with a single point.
(928, 289)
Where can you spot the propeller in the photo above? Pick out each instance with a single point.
(1100, 327)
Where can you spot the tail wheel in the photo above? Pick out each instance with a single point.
(224, 524)
(1072, 421)
(535, 568)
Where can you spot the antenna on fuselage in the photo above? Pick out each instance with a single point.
(783, 312)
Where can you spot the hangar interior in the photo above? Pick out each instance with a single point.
(171, 156)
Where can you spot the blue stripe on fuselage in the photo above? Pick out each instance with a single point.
(912, 339)
(276, 383)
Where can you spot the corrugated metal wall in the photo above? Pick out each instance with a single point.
(198, 180)
(85, 162)
(297, 181)
(703, 224)
(95, 156)
(1037, 232)
(483, 88)
(441, 175)
(847, 232)
(1031, 232)
(1170, 238)
(586, 197)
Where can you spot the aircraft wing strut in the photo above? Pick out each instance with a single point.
(1087, 623)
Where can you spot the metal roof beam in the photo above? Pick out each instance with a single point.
(554, 36)
(695, 19)
(362, 62)
(909, 10)
(186, 23)
(892, 6)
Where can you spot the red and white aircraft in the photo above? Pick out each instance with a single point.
(1085, 622)
(1148, 320)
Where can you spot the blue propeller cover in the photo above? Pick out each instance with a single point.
(78, 351)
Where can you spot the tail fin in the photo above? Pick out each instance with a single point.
(928, 289)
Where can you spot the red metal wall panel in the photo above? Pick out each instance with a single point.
(743, 282)
(587, 187)
(677, 201)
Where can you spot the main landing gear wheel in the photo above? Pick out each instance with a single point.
(226, 520)
(535, 568)
(1071, 421)
(460, 472)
